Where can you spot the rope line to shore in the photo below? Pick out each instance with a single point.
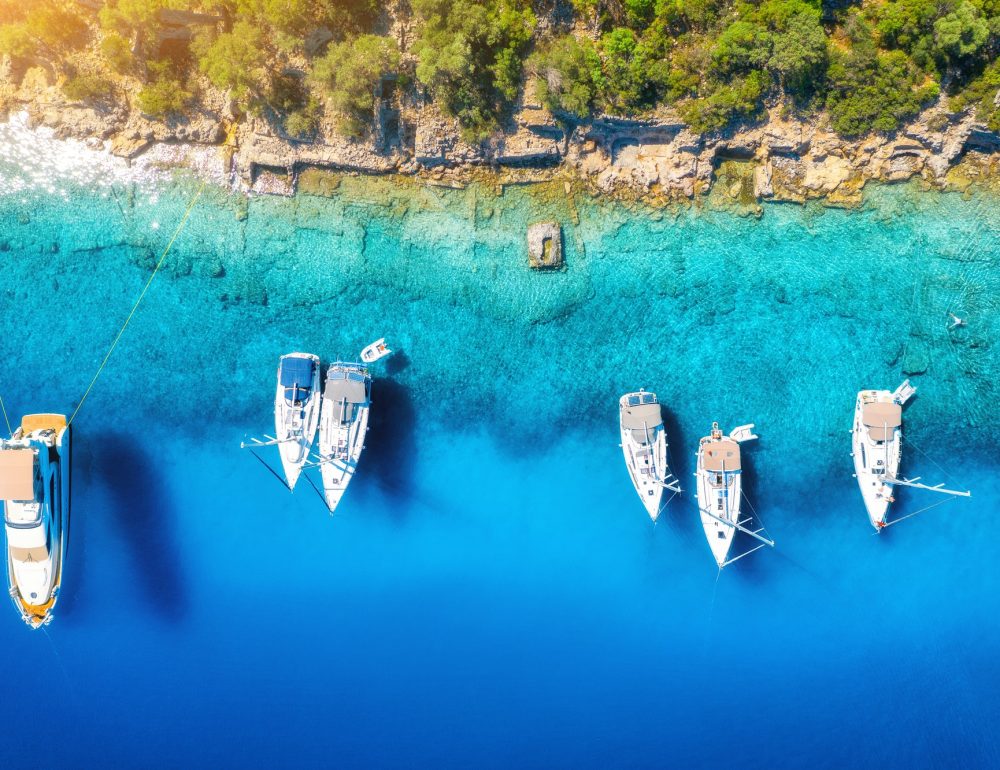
(4, 410)
(138, 302)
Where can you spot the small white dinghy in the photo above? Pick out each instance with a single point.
(720, 492)
(644, 444)
(877, 447)
(296, 411)
(378, 349)
(343, 424)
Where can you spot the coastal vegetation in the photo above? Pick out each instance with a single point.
(869, 66)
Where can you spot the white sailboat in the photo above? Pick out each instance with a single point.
(720, 492)
(877, 444)
(296, 411)
(35, 490)
(644, 445)
(343, 424)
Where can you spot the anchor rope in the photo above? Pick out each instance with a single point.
(922, 510)
(922, 452)
(4, 410)
(142, 295)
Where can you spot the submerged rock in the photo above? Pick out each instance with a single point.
(545, 246)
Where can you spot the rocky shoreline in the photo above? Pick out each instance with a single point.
(657, 160)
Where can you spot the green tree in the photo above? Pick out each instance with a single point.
(569, 75)
(235, 61)
(118, 52)
(961, 33)
(469, 57)
(348, 75)
(800, 54)
(872, 91)
(165, 94)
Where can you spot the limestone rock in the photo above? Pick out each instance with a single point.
(545, 246)
(129, 147)
(763, 176)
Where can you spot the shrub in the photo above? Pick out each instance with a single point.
(469, 57)
(569, 76)
(85, 88)
(303, 123)
(871, 91)
(738, 99)
(982, 94)
(348, 74)
(165, 95)
(118, 52)
(234, 60)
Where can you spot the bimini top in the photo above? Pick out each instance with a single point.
(881, 418)
(17, 474)
(347, 390)
(640, 418)
(297, 374)
(721, 455)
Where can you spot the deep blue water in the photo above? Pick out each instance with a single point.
(491, 592)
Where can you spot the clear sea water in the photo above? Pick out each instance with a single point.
(491, 593)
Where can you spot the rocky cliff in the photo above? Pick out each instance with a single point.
(658, 159)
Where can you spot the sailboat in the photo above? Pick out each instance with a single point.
(296, 413)
(343, 424)
(35, 490)
(877, 445)
(644, 444)
(720, 492)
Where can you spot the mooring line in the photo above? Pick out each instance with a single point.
(138, 302)
(4, 410)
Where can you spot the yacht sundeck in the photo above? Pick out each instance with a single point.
(35, 490)
(343, 424)
(877, 444)
(644, 444)
(296, 411)
(720, 492)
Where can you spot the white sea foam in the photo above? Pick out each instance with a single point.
(34, 160)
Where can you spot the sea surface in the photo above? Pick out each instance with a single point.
(491, 592)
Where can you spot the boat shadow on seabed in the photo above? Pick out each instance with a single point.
(390, 446)
(139, 509)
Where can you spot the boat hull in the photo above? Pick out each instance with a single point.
(35, 580)
(295, 424)
(874, 461)
(644, 448)
(337, 472)
(722, 500)
(343, 426)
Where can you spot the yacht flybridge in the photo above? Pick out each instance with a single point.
(877, 444)
(720, 493)
(644, 444)
(35, 490)
(343, 424)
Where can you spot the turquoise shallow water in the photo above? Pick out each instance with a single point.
(491, 592)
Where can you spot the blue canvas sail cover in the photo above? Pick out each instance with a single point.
(297, 375)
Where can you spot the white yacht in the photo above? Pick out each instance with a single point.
(877, 441)
(877, 448)
(35, 490)
(343, 424)
(720, 492)
(644, 444)
(296, 411)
